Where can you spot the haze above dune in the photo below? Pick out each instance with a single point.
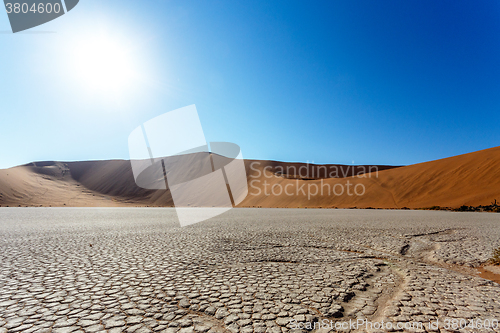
(471, 179)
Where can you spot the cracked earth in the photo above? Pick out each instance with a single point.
(249, 270)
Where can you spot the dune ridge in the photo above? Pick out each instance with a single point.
(470, 179)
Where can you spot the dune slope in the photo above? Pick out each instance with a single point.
(470, 179)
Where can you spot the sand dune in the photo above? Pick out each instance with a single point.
(470, 179)
(75, 184)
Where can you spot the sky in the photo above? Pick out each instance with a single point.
(363, 82)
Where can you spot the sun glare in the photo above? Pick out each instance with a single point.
(104, 64)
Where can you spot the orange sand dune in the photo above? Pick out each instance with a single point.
(76, 184)
(470, 179)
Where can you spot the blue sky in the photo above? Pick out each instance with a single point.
(374, 82)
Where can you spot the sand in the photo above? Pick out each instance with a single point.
(471, 179)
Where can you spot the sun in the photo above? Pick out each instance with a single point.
(104, 64)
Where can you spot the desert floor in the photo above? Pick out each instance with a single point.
(248, 270)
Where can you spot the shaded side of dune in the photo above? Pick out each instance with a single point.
(77, 184)
(115, 178)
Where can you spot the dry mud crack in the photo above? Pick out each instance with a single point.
(250, 270)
